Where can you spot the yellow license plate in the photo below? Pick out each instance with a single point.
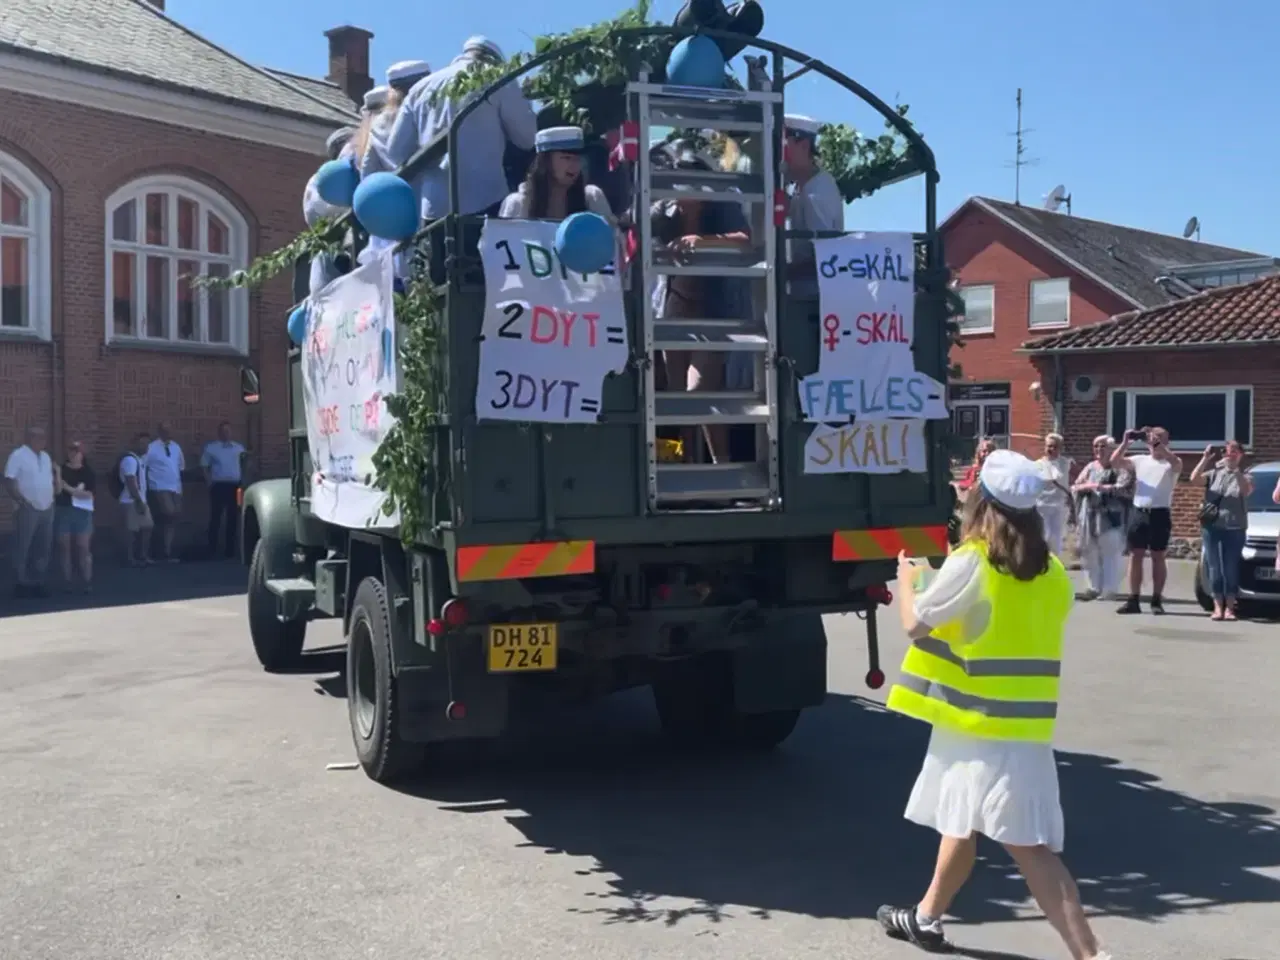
(522, 647)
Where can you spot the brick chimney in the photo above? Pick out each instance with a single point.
(349, 61)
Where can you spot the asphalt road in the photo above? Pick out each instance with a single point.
(164, 799)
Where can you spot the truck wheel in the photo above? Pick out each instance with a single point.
(372, 693)
(278, 643)
(695, 704)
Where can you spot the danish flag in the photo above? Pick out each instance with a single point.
(624, 144)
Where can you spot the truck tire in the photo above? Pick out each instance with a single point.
(372, 692)
(278, 643)
(695, 704)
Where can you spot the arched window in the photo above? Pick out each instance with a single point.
(24, 250)
(161, 232)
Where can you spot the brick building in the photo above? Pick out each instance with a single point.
(1023, 270)
(134, 152)
(1206, 367)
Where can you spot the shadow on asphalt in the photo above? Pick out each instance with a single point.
(816, 828)
(116, 585)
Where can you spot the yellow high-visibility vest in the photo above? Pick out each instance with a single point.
(1003, 684)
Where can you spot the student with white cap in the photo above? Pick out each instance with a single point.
(983, 669)
(402, 76)
(374, 100)
(816, 203)
(506, 115)
(555, 186)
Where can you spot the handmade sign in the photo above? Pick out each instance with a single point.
(348, 368)
(867, 446)
(549, 336)
(866, 371)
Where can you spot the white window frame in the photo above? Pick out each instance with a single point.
(236, 258)
(966, 329)
(38, 234)
(1184, 445)
(1036, 285)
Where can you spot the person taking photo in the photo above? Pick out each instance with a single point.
(1154, 476)
(983, 670)
(1224, 518)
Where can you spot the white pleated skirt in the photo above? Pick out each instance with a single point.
(1005, 790)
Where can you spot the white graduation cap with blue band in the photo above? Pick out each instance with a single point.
(407, 70)
(560, 139)
(802, 124)
(376, 98)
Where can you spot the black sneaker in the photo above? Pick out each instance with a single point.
(901, 924)
(1130, 606)
(1157, 605)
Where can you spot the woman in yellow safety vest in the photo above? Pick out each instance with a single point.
(983, 670)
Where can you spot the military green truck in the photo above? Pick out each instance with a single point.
(572, 561)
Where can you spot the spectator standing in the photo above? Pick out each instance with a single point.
(1224, 518)
(1054, 504)
(132, 473)
(29, 479)
(73, 517)
(1102, 494)
(223, 464)
(165, 464)
(1154, 477)
(984, 449)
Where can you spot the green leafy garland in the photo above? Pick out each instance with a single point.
(406, 462)
(311, 243)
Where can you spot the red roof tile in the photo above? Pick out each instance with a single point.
(1242, 314)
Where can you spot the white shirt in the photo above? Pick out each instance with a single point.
(1056, 471)
(131, 465)
(165, 464)
(516, 205)
(816, 205)
(33, 473)
(222, 460)
(954, 592)
(481, 140)
(1153, 482)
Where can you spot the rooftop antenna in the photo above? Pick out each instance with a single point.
(1020, 159)
(1056, 197)
(1192, 227)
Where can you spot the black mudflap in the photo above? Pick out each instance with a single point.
(783, 665)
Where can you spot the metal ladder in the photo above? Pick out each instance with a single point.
(724, 485)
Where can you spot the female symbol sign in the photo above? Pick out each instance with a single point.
(831, 324)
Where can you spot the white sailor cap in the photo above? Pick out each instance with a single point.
(1011, 480)
(482, 46)
(797, 123)
(376, 98)
(562, 139)
(337, 140)
(398, 73)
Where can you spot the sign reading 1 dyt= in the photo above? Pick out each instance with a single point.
(549, 337)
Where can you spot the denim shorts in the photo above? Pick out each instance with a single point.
(72, 521)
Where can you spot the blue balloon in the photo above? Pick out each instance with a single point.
(386, 206)
(298, 325)
(696, 62)
(585, 242)
(336, 182)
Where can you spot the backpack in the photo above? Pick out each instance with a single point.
(114, 483)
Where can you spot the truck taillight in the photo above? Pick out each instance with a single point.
(454, 613)
(879, 593)
(436, 627)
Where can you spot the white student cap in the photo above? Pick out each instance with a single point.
(407, 70)
(483, 47)
(564, 139)
(1011, 480)
(801, 124)
(337, 140)
(376, 98)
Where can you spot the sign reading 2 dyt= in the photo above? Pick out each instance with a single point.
(550, 337)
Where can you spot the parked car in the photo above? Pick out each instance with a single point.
(1259, 578)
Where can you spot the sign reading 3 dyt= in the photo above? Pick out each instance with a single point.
(549, 337)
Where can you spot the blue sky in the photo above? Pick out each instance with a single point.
(1150, 111)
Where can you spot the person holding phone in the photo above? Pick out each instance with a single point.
(1154, 476)
(983, 670)
(1224, 518)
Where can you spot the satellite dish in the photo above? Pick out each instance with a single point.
(1056, 197)
(1192, 227)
